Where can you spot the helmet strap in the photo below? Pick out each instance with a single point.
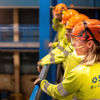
(87, 29)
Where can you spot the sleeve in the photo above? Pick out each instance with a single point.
(55, 44)
(72, 82)
(45, 60)
(68, 86)
(63, 55)
(50, 58)
(58, 55)
(60, 58)
(53, 59)
(50, 89)
(55, 24)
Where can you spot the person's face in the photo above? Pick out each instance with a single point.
(58, 16)
(68, 34)
(81, 47)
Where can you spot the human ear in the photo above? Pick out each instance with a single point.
(90, 43)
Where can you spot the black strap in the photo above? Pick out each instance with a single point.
(87, 29)
(81, 34)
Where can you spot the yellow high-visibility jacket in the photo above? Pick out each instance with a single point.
(59, 28)
(83, 80)
(58, 54)
(70, 62)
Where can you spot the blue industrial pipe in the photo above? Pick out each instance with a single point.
(34, 93)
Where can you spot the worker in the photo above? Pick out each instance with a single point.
(83, 80)
(57, 17)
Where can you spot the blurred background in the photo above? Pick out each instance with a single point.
(24, 38)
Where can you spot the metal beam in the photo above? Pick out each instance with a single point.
(45, 34)
(44, 26)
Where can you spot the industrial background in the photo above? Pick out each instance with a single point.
(25, 31)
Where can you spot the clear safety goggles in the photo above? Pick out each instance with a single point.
(78, 43)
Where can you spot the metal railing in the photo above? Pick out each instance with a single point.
(36, 92)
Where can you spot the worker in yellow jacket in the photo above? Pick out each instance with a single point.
(83, 80)
(57, 17)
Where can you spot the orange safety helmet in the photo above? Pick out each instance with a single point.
(74, 20)
(59, 8)
(68, 14)
(87, 29)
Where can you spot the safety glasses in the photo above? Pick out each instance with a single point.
(77, 42)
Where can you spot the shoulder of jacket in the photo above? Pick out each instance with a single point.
(80, 68)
